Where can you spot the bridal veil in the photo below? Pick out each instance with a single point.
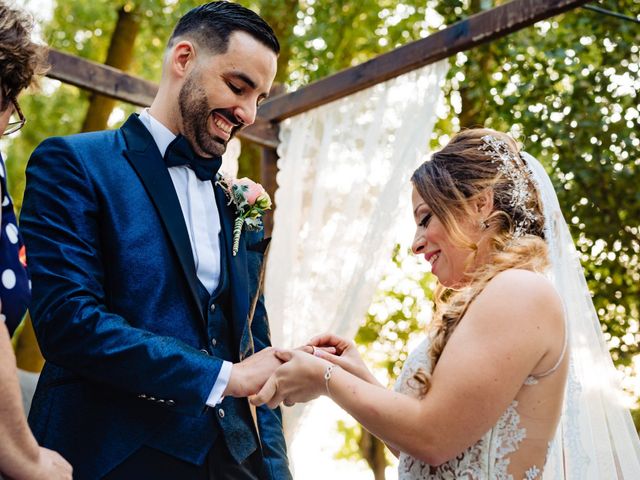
(596, 437)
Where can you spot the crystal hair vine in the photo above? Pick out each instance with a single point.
(515, 169)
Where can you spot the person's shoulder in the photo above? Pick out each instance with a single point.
(83, 139)
(87, 145)
(519, 279)
(522, 293)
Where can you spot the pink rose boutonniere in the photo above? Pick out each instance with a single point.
(251, 201)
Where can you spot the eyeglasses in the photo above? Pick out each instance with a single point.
(15, 125)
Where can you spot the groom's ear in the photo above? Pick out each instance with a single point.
(181, 57)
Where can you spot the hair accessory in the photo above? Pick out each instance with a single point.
(515, 169)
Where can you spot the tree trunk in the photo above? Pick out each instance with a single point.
(372, 450)
(120, 55)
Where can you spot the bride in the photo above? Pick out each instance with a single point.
(513, 380)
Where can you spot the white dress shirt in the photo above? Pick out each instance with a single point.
(198, 205)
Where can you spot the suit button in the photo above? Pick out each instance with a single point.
(213, 342)
(171, 403)
(212, 308)
(221, 413)
(204, 350)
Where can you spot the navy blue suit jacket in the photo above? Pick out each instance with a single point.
(115, 301)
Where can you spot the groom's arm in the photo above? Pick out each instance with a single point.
(60, 222)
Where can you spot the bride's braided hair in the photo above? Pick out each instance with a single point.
(448, 183)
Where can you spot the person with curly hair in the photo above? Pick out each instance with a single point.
(20, 456)
(513, 379)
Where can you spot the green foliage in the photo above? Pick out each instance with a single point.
(329, 36)
(568, 88)
(397, 315)
(350, 448)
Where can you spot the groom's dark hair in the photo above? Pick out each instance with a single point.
(210, 26)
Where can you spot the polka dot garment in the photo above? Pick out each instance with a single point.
(15, 288)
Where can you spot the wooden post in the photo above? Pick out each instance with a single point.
(269, 163)
(99, 78)
(269, 171)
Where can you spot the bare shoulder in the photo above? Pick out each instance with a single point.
(523, 283)
(522, 294)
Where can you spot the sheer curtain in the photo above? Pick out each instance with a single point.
(342, 169)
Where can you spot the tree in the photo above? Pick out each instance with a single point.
(119, 55)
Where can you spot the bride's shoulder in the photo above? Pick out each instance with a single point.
(521, 292)
(520, 281)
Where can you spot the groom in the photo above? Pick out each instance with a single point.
(140, 307)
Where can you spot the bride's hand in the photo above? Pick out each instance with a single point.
(345, 355)
(310, 349)
(299, 379)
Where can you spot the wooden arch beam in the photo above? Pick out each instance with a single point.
(463, 35)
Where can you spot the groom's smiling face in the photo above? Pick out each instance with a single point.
(222, 92)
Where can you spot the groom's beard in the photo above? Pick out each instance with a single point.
(195, 113)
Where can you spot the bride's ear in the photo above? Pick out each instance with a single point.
(483, 204)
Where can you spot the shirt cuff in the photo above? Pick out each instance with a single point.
(215, 397)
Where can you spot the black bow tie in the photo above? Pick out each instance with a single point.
(179, 152)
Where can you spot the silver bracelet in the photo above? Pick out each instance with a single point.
(327, 376)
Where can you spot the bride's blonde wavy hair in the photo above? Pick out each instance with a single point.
(449, 183)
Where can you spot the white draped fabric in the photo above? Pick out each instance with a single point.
(596, 438)
(230, 157)
(342, 169)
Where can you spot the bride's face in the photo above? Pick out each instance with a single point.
(432, 240)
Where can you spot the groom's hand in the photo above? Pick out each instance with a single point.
(248, 376)
(300, 379)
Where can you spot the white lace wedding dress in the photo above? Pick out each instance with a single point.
(489, 458)
(596, 438)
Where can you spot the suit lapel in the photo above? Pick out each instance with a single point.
(145, 158)
(238, 273)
